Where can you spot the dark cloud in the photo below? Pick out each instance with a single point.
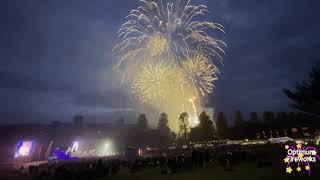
(56, 57)
(272, 44)
(113, 98)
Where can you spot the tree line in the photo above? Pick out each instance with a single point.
(305, 98)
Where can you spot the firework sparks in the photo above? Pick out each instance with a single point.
(169, 27)
(157, 45)
(201, 73)
(167, 51)
(157, 82)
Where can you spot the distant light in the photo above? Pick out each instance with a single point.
(75, 146)
(24, 148)
(318, 141)
(68, 150)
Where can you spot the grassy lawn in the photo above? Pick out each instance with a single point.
(245, 171)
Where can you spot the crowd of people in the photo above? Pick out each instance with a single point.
(169, 162)
(90, 168)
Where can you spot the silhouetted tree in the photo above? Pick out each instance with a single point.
(163, 122)
(204, 131)
(238, 119)
(163, 131)
(306, 95)
(139, 134)
(142, 122)
(282, 120)
(78, 120)
(239, 125)
(253, 126)
(254, 118)
(222, 125)
(269, 119)
(184, 126)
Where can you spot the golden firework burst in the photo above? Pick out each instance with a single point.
(200, 73)
(158, 81)
(157, 45)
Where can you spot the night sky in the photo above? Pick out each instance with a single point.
(56, 59)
